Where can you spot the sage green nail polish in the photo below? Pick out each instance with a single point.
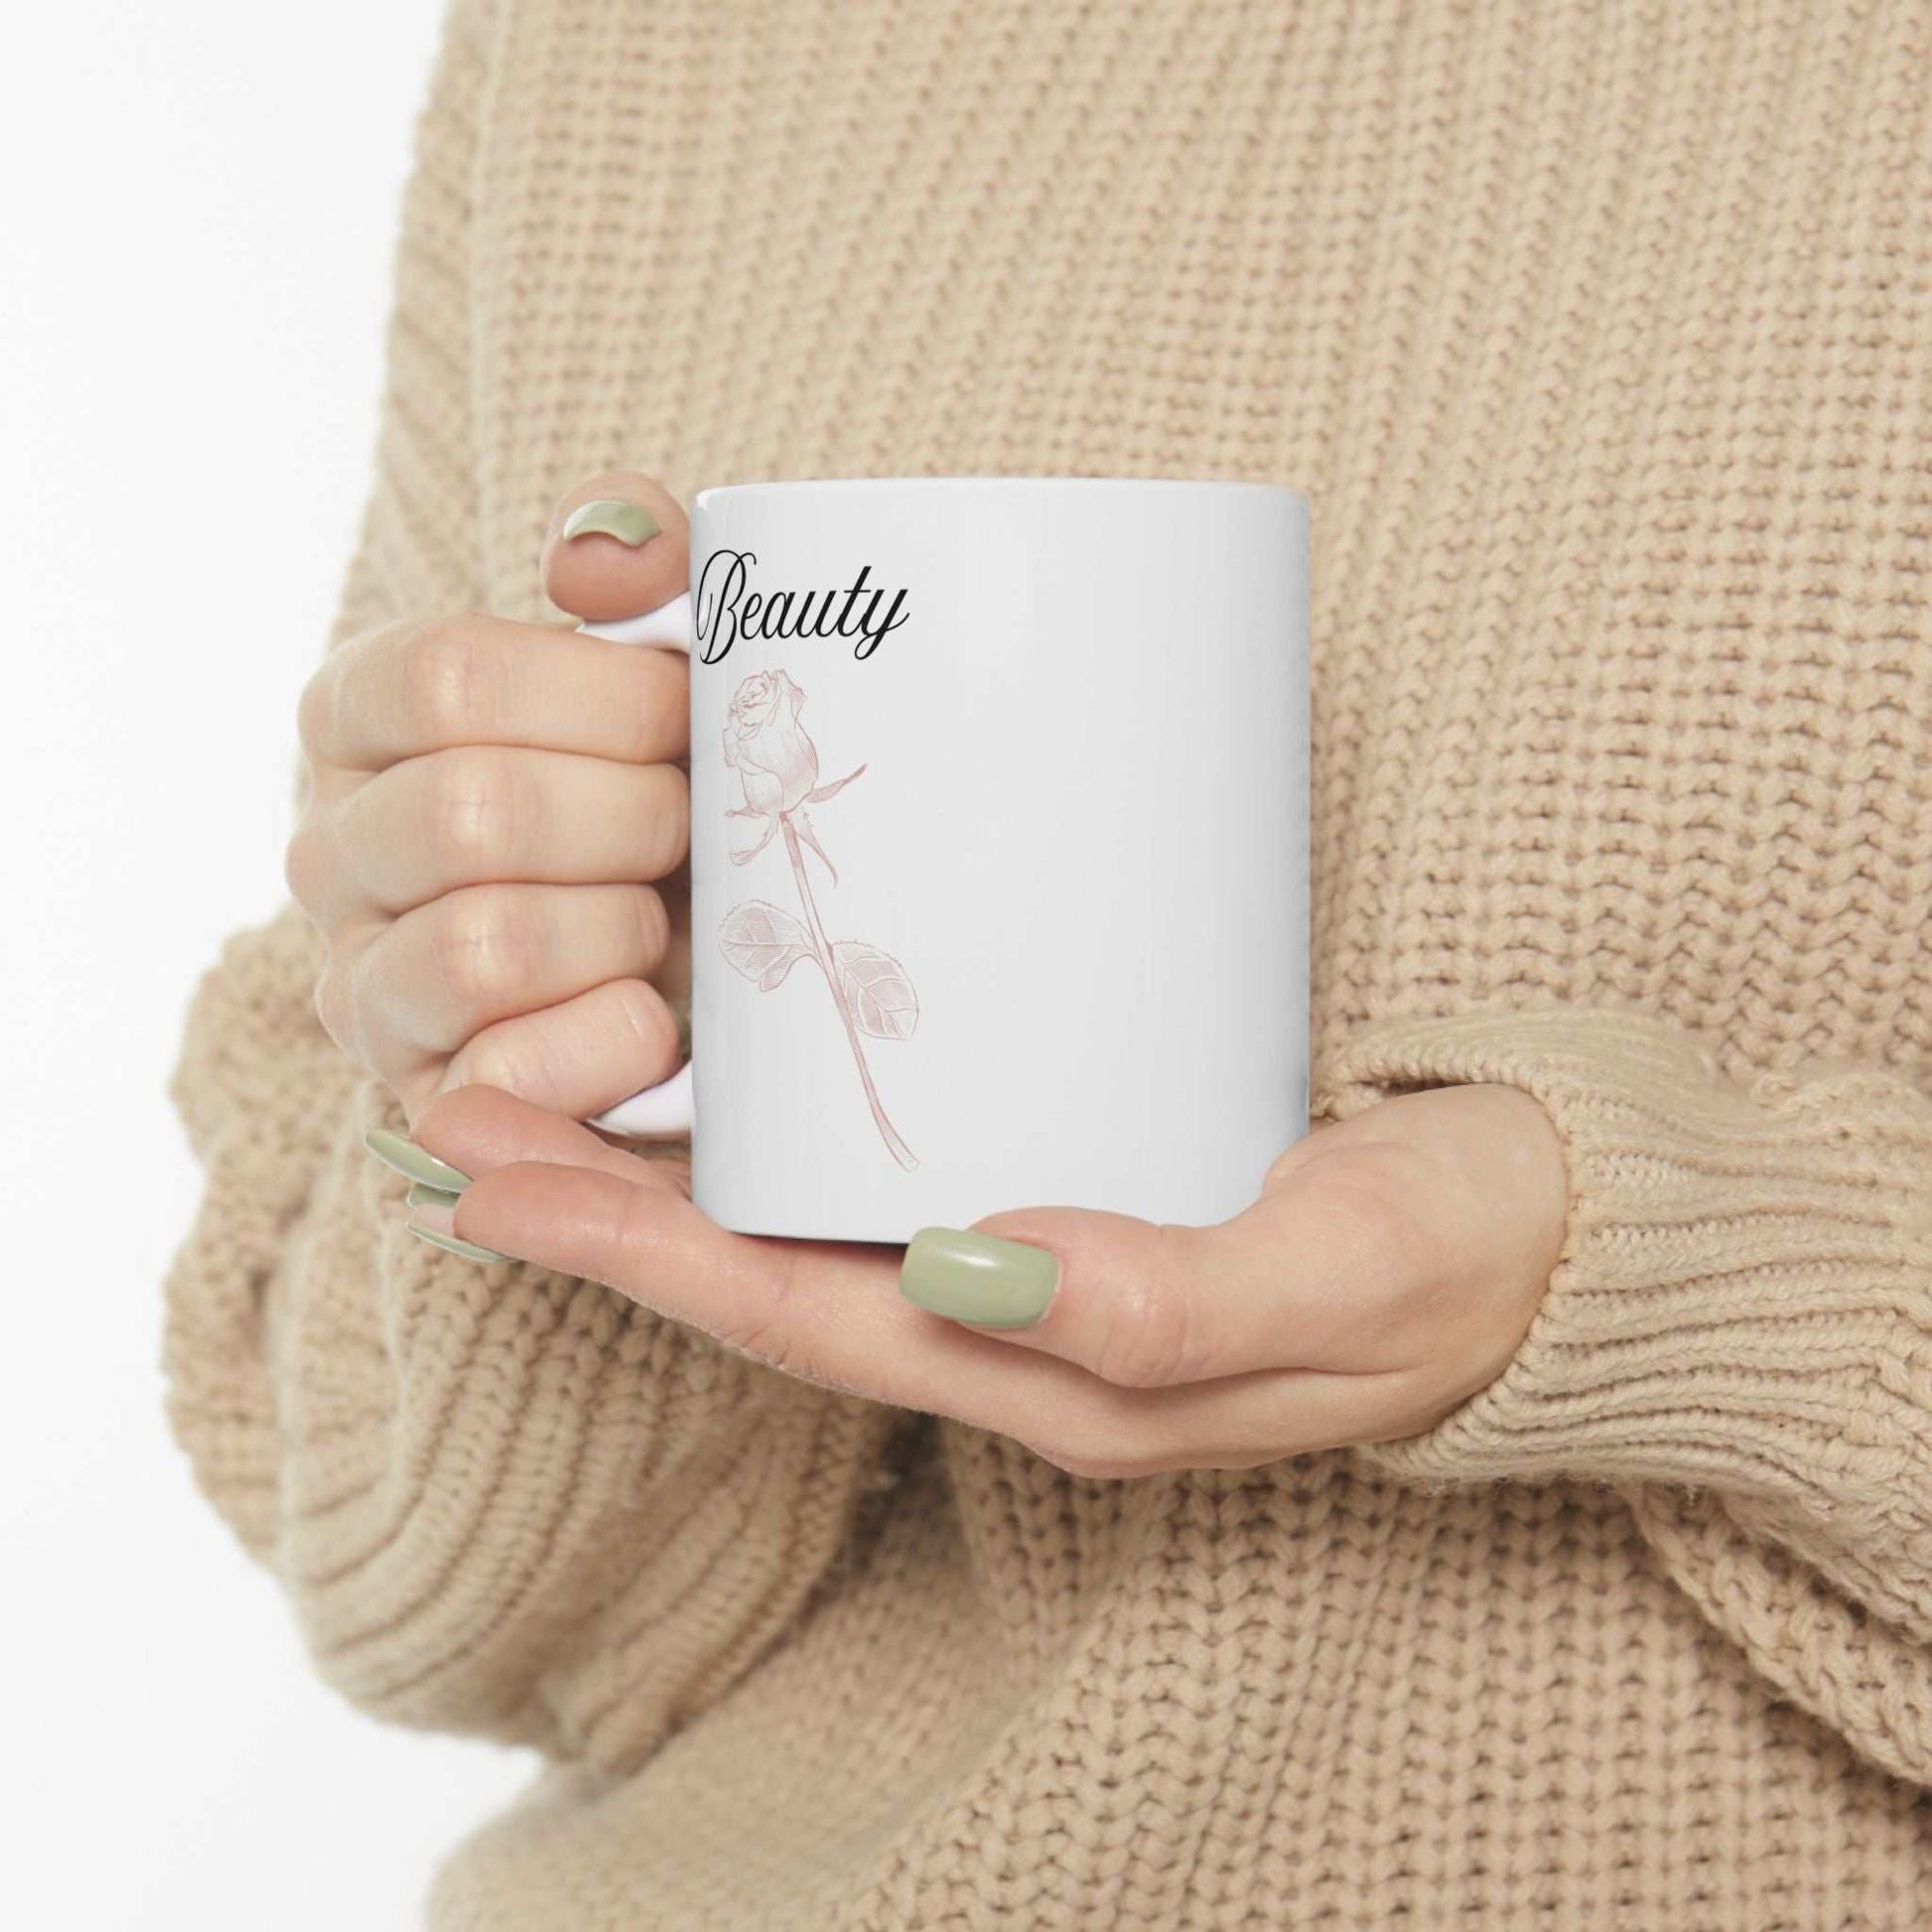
(611, 516)
(421, 1195)
(978, 1278)
(448, 1242)
(409, 1161)
(681, 1013)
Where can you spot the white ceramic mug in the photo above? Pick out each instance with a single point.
(999, 850)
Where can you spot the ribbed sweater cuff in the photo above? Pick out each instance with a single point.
(1745, 1297)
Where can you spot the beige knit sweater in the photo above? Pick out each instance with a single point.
(1602, 337)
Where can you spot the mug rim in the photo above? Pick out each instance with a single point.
(1193, 486)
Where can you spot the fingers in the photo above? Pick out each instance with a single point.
(618, 546)
(440, 975)
(1406, 1251)
(827, 1314)
(579, 1056)
(1324, 1273)
(479, 814)
(414, 688)
(824, 1314)
(1138, 1305)
(479, 1129)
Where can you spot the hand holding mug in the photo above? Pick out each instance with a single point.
(1388, 1271)
(495, 831)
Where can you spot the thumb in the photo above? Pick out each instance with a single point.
(1140, 1306)
(618, 546)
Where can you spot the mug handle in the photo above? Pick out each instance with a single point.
(664, 1111)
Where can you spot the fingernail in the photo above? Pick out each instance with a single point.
(432, 1211)
(409, 1161)
(978, 1278)
(449, 1244)
(681, 1013)
(611, 516)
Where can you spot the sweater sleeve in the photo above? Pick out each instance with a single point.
(1738, 1336)
(501, 1500)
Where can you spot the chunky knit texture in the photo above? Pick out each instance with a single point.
(1600, 336)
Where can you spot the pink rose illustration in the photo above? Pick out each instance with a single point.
(775, 762)
(777, 769)
(763, 743)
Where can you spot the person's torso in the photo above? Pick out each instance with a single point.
(1599, 337)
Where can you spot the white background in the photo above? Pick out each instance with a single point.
(198, 205)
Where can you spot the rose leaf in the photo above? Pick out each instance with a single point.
(764, 941)
(877, 990)
(832, 790)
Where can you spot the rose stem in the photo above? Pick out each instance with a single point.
(901, 1152)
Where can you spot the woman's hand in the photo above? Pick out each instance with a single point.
(489, 804)
(1389, 1271)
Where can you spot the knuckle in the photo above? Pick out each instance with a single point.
(670, 824)
(335, 1006)
(1149, 1336)
(315, 709)
(512, 1062)
(483, 947)
(445, 683)
(303, 868)
(645, 707)
(654, 926)
(474, 806)
(644, 1020)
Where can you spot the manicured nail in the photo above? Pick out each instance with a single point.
(611, 516)
(450, 1245)
(681, 1013)
(432, 1211)
(978, 1278)
(409, 1161)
